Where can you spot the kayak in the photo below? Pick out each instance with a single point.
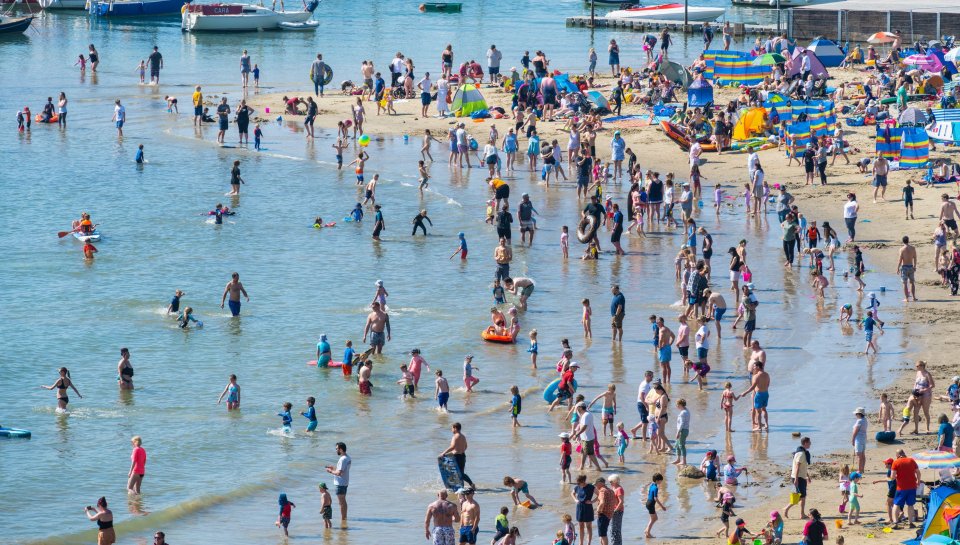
(490, 337)
(92, 237)
(14, 433)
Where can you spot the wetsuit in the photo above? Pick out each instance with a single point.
(418, 223)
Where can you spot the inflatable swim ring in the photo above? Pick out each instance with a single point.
(550, 392)
(39, 119)
(587, 229)
(14, 433)
(491, 338)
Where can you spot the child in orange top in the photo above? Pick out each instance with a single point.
(89, 250)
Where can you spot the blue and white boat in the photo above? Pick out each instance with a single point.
(134, 8)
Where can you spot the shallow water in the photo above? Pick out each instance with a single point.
(214, 476)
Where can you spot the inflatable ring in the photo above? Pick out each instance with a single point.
(587, 228)
(490, 337)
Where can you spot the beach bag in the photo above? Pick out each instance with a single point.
(855, 121)
(747, 275)
(886, 436)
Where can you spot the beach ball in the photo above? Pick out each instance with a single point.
(364, 140)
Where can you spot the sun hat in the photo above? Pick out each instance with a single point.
(774, 515)
(860, 410)
(564, 435)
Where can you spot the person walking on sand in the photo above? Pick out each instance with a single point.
(906, 267)
(378, 324)
(458, 449)
(760, 385)
(441, 514)
(799, 477)
(341, 478)
(850, 211)
(906, 473)
(234, 289)
(858, 438)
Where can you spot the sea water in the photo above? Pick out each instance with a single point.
(214, 475)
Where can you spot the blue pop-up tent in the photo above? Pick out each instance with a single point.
(699, 94)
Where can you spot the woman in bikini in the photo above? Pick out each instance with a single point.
(125, 371)
(61, 386)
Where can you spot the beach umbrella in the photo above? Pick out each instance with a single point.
(952, 55)
(936, 459)
(929, 63)
(912, 116)
(769, 59)
(882, 38)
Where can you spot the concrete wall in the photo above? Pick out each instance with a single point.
(857, 26)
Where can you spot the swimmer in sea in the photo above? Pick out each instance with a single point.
(185, 317)
(442, 392)
(125, 370)
(424, 176)
(461, 246)
(311, 414)
(175, 302)
(232, 391)
(324, 353)
(88, 250)
(285, 416)
(468, 379)
(381, 295)
(363, 376)
(418, 222)
(61, 386)
(338, 146)
(361, 159)
(609, 408)
(357, 213)
(406, 380)
(369, 192)
(415, 365)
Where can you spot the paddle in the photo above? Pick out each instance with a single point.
(62, 234)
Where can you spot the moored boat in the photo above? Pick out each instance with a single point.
(63, 4)
(667, 12)
(15, 25)
(134, 8)
(242, 17)
(442, 7)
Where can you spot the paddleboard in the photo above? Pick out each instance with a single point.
(92, 237)
(450, 473)
(550, 393)
(14, 433)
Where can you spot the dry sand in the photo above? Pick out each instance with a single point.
(932, 318)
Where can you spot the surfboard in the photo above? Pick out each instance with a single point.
(450, 473)
(550, 393)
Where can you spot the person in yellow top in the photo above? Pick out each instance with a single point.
(197, 106)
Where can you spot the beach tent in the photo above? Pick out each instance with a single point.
(943, 515)
(736, 68)
(676, 73)
(564, 83)
(816, 66)
(946, 126)
(914, 149)
(827, 51)
(751, 123)
(800, 132)
(467, 100)
(597, 100)
(699, 94)
(888, 141)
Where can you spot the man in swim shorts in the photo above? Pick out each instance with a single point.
(520, 286)
(469, 516)
(907, 266)
(503, 255)
(442, 513)
(234, 289)
(377, 328)
(760, 385)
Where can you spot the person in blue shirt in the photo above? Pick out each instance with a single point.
(378, 86)
(953, 392)
(175, 302)
(323, 352)
(311, 414)
(357, 213)
(257, 135)
(139, 157)
(945, 434)
(653, 500)
(348, 354)
(461, 246)
(378, 225)
(498, 295)
(515, 405)
(285, 415)
(868, 324)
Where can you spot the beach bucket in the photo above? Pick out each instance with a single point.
(838, 523)
(757, 542)
(794, 498)
(883, 289)
(266, 110)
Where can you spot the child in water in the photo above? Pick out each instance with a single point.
(141, 68)
(258, 134)
(82, 62)
(139, 157)
(623, 441)
(461, 247)
(502, 524)
(515, 405)
(468, 379)
(499, 297)
(534, 349)
(585, 319)
(406, 380)
(310, 414)
(846, 312)
(381, 295)
(286, 506)
(232, 391)
(174, 305)
(326, 506)
(566, 457)
(186, 317)
(565, 241)
(519, 486)
(285, 417)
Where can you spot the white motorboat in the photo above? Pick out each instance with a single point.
(667, 12)
(769, 4)
(240, 17)
(63, 4)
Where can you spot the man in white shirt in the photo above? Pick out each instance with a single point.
(586, 429)
(804, 67)
(341, 479)
(119, 116)
(493, 62)
(396, 68)
(642, 392)
(752, 161)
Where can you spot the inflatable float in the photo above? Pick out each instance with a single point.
(587, 228)
(550, 393)
(676, 133)
(93, 236)
(14, 433)
(910, 98)
(39, 119)
(347, 369)
(490, 337)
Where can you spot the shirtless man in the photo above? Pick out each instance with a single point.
(907, 266)
(757, 354)
(377, 322)
(442, 513)
(717, 306)
(469, 516)
(665, 339)
(503, 255)
(759, 385)
(458, 449)
(363, 380)
(234, 289)
(521, 286)
(370, 192)
(949, 214)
